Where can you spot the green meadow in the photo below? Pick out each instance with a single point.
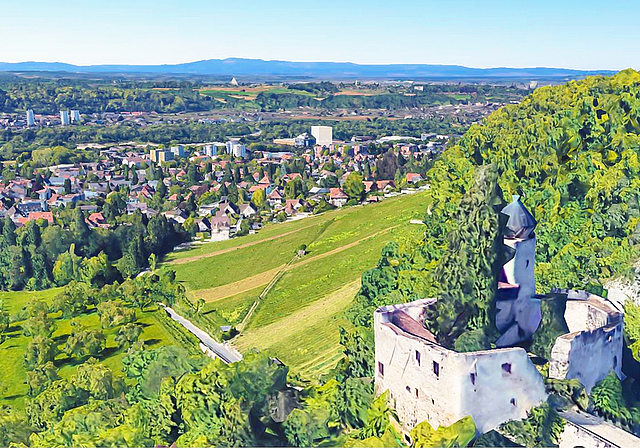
(298, 319)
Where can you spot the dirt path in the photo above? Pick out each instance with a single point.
(231, 249)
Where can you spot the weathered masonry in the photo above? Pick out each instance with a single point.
(593, 346)
(429, 382)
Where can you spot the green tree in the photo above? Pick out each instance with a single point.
(128, 334)
(114, 312)
(259, 198)
(41, 377)
(5, 320)
(39, 351)
(460, 433)
(38, 323)
(67, 186)
(67, 267)
(468, 271)
(354, 187)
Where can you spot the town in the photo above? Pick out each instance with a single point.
(220, 190)
(342, 224)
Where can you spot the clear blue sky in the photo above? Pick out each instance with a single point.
(584, 34)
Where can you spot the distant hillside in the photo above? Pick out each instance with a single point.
(327, 70)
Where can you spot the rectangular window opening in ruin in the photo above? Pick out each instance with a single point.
(418, 357)
(381, 369)
(417, 392)
(506, 367)
(436, 368)
(473, 378)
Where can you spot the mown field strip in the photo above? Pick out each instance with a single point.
(231, 249)
(231, 289)
(316, 312)
(263, 278)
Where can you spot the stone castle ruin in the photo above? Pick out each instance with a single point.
(429, 382)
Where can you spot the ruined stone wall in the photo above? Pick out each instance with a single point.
(587, 356)
(429, 382)
(593, 348)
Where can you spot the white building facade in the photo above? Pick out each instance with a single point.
(31, 119)
(64, 118)
(323, 135)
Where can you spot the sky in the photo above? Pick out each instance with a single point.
(575, 34)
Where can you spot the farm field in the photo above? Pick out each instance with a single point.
(298, 319)
(156, 332)
(248, 93)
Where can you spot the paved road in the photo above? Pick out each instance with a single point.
(222, 351)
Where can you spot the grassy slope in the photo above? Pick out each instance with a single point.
(342, 244)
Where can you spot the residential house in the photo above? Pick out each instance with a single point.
(275, 198)
(292, 206)
(203, 224)
(413, 178)
(220, 225)
(247, 210)
(34, 216)
(337, 197)
(97, 220)
(177, 215)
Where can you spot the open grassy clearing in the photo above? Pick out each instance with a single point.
(268, 233)
(241, 286)
(249, 93)
(343, 227)
(262, 279)
(299, 319)
(13, 387)
(304, 284)
(236, 265)
(231, 310)
(305, 333)
(14, 301)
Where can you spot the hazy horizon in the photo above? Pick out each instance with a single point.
(309, 62)
(580, 35)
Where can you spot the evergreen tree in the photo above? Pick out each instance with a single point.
(468, 271)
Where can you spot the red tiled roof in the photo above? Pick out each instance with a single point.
(41, 215)
(337, 193)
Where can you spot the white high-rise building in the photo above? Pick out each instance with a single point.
(178, 150)
(75, 116)
(64, 118)
(211, 149)
(323, 135)
(236, 149)
(31, 119)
